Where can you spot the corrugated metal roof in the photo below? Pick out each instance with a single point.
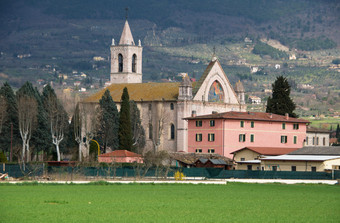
(317, 150)
(255, 116)
(268, 150)
(250, 161)
(300, 158)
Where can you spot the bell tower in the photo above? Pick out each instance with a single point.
(126, 59)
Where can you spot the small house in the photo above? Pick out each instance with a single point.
(120, 156)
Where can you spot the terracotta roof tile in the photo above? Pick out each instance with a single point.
(271, 151)
(120, 153)
(256, 116)
(140, 91)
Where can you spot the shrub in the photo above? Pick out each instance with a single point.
(3, 158)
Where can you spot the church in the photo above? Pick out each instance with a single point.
(163, 106)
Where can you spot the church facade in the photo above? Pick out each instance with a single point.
(163, 106)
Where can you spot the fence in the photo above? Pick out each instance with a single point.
(37, 171)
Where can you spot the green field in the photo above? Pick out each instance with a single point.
(234, 202)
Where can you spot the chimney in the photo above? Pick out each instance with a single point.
(287, 116)
(193, 113)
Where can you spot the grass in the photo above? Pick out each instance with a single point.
(234, 202)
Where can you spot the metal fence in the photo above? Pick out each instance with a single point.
(37, 171)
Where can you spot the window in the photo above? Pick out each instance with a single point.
(274, 168)
(283, 139)
(324, 141)
(313, 140)
(242, 124)
(293, 168)
(252, 138)
(120, 63)
(150, 131)
(295, 139)
(313, 169)
(211, 137)
(317, 141)
(172, 131)
(199, 123)
(295, 126)
(211, 151)
(134, 60)
(150, 107)
(242, 137)
(307, 140)
(172, 106)
(283, 125)
(252, 124)
(212, 123)
(198, 150)
(198, 137)
(243, 159)
(249, 167)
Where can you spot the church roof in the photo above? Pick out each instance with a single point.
(126, 37)
(203, 77)
(140, 92)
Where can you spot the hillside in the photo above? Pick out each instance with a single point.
(43, 39)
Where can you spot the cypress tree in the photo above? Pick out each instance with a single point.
(125, 134)
(280, 103)
(11, 120)
(337, 133)
(138, 133)
(109, 122)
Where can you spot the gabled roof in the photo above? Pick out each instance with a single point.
(254, 116)
(318, 150)
(271, 151)
(140, 92)
(191, 158)
(126, 37)
(203, 77)
(300, 158)
(311, 129)
(213, 161)
(120, 153)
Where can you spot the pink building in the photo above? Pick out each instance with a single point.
(224, 133)
(120, 156)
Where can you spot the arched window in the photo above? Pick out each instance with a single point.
(120, 63)
(150, 131)
(216, 93)
(172, 106)
(134, 61)
(172, 131)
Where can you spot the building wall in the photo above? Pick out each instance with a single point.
(120, 159)
(266, 134)
(317, 139)
(246, 154)
(244, 166)
(287, 165)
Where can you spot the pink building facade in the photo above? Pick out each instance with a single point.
(224, 133)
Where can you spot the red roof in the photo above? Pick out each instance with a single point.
(120, 153)
(259, 116)
(272, 151)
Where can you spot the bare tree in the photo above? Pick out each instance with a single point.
(58, 121)
(159, 130)
(89, 124)
(3, 109)
(77, 129)
(27, 111)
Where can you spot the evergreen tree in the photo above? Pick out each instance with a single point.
(125, 134)
(280, 103)
(10, 124)
(337, 133)
(109, 122)
(138, 132)
(41, 135)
